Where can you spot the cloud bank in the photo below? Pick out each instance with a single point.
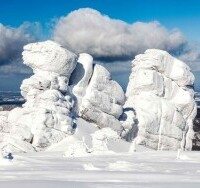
(12, 41)
(107, 39)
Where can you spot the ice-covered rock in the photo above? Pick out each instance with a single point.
(160, 98)
(46, 117)
(81, 77)
(158, 112)
(99, 98)
(49, 56)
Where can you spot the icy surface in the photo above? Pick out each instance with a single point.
(160, 102)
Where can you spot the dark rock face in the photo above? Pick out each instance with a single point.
(196, 127)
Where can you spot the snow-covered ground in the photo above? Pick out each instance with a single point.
(138, 169)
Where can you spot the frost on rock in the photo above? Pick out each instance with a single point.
(80, 78)
(46, 117)
(158, 112)
(99, 98)
(160, 105)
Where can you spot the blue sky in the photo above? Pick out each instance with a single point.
(171, 14)
(182, 14)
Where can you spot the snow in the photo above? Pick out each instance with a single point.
(80, 78)
(49, 56)
(139, 169)
(46, 118)
(104, 99)
(97, 97)
(74, 106)
(160, 100)
(78, 129)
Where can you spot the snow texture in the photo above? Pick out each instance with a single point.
(136, 170)
(46, 117)
(73, 105)
(81, 77)
(99, 98)
(160, 106)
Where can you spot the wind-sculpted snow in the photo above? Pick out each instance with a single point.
(160, 104)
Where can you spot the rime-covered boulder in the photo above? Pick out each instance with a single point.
(81, 77)
(157, 112)
(46, 117)
(160, 105)
(99, 98)
(50, 57)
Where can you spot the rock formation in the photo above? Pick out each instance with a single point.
(160, 105)
(99, 98)
(51, 107)
(157, 112)
(46, 117)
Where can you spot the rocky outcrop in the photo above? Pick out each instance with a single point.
(51, 107)
(157, 112)
(99, 98)
(46, 117)
(160, 105)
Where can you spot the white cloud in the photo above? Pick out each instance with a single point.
(107, 39)
(12, 41)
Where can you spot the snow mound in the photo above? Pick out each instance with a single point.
(160, 105)
(89, 140)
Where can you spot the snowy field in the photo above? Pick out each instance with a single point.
(139, 169)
